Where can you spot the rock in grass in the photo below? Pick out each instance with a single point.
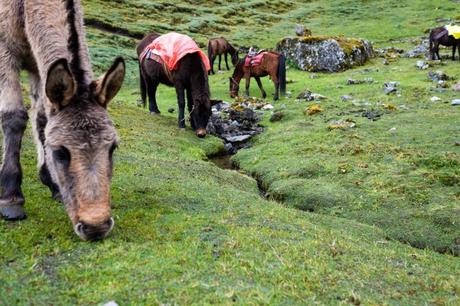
(313, 109)
(435, 99)
(390, 87)
(455, 102)
(456, 87)
(277, 116)
(341, 124)
(438, 75)
(305, 95)
(422, 65)
(346, 98)
(325, 53)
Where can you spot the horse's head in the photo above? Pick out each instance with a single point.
(235, 58)
(234, 87)
(80, 141)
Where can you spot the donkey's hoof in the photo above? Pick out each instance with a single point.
(12, 212)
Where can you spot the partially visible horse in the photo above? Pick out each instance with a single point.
(218, 47)
(74, 135)
(272, 64)
(440, 36)
(190, 79)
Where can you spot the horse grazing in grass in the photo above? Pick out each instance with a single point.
(440, 36)
(218, 47)
(189, 76)
(74, 135)
(271, 63)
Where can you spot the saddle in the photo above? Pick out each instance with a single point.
(254, 58)
(169, 49)
(453, 30)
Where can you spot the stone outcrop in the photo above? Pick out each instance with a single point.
(325, 53)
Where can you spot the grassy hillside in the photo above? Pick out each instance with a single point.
(188, 232)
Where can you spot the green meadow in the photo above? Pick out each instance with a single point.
(366, 215)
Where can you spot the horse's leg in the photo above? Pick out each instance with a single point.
(152, 90)
(190, 106)
(248, 80)
(211, 62)
(13, 120)
(259, 83)
(226, 61)
(436, 49)
(220, 60)
(454, 46)
(181, 103)
(39, 122)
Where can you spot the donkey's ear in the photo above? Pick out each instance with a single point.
(60, 84)
(108, 85)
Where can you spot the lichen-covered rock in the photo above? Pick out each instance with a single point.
(325, 53)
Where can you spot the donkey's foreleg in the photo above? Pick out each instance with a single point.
(13, 120)
(39, 121)
(152, 91)
(220, 60)
(190, 107)
(259, 83)
(181, 103)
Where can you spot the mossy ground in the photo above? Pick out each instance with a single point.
(188, 232)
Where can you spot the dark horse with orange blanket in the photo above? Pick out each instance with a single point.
(440, 36)
(190, 78)
(218, 47)
(271, 63)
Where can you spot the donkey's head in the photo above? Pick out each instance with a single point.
(80, 141)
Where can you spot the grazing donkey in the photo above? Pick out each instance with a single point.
(188, 75)
(74, 136)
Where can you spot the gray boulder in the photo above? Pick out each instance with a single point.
(325, 53)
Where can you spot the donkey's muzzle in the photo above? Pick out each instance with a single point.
(201, 133)
(94, 231)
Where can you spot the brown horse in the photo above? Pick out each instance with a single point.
(218, 47)
(190, 77)
(272, 64)
(440, 36)
(74, 135)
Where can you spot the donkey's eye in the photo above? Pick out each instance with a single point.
(62, 155)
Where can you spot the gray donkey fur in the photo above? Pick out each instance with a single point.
(74, 136)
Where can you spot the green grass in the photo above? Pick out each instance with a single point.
(188, 232)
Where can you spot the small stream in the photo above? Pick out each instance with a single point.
(224, 162)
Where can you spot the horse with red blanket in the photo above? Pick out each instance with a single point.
(257, 66)
(175, 60)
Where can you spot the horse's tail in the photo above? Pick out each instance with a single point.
(282, 73)
(143, 85)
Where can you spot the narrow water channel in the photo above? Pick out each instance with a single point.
(224, 162)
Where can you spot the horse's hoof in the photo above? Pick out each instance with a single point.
(12, 209)
(155, 113)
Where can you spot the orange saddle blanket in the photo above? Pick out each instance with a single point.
(251, 61)
(172, 47)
